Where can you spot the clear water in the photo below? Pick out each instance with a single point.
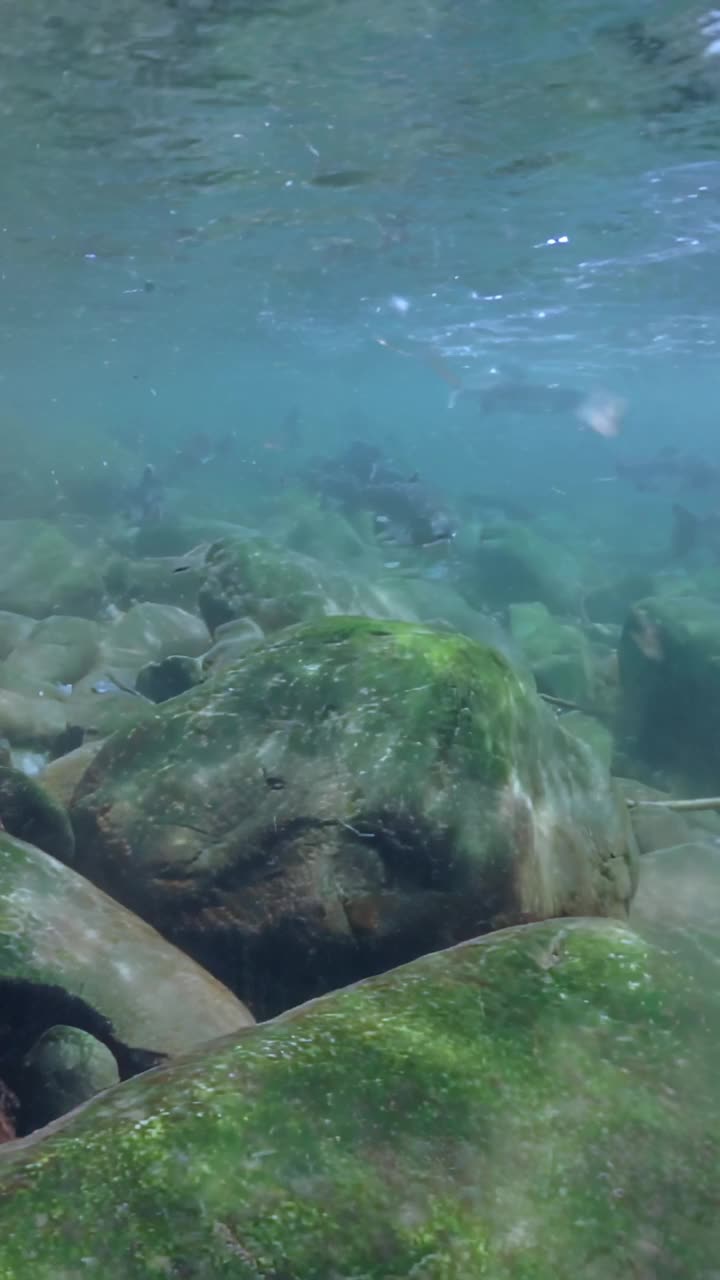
(539, 187)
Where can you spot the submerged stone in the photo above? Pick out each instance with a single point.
(513, 563)
(558, 654)
(58, 650)
(345, 798)
(670, 677)
(253, 578)
(60, 935)
(64, 1068)
(168, 678)
(31, 813)
(149, 632)
(541, 1103)
(42, 573)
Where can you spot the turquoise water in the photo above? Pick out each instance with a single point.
(400, 310)
(190, 145)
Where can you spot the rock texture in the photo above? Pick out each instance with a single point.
(534, 1104)
(346, 798)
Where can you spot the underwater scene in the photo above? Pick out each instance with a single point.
(359, 640)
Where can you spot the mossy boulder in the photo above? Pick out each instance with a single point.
(558, 654)
(31, 813)
(275, 587)
(68, 953)
(42, 573)
(670, 677)
(513, 563)
(541, 1103)
(345, 798)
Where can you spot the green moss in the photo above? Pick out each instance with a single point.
(519, 1107)
(29, 812)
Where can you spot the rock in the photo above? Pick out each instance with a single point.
(314, 529)
(345, 798)
(60, 777)
(513, 563)
(65, 1067)
(232, 641)
(593, 732)
(610, 603)
(42, 573)
(57, 651)
(661, 828)
(8, 1110)
(678, 907)
(558, 654)
(670, 679)
(70, 954)
(273, 587)
(149, 632)
(438, 604)
(14, 627)
(540, 1103)
(175, 537)
(160, 681)
(31, 813)
(31, 721)
(99, 706)
(131, 581)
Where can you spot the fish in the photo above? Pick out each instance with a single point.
(360, 478)
(512, 392)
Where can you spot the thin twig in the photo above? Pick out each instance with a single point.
(681, 806)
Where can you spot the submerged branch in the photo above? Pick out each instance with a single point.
(682, 806)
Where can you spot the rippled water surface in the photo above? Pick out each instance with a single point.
(223, 205)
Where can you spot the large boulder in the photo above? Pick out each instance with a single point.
(670, 676)
(540, 1103)
(346, 798)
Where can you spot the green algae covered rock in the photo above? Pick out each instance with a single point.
(670, 676)
(346, 798)
(42, 573)
(33, 814)
(514, 563)
(540, 1104)
(558, 654)
(276, 587)
(59, 932)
